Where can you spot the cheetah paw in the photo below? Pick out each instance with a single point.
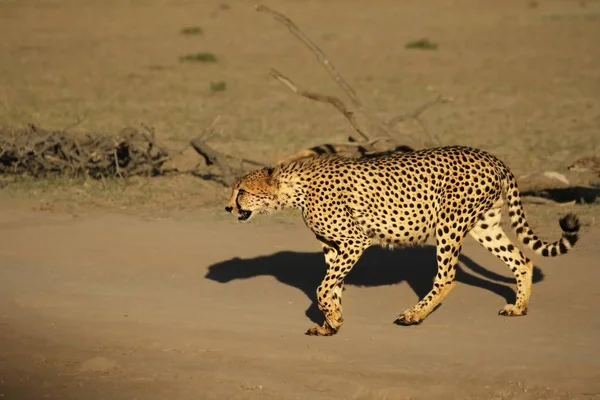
(324, 330)
(408, 318)
(510, 310)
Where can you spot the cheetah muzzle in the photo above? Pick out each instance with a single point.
(401, 199)
(244, 215)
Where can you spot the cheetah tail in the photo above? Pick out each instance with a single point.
(569, 225)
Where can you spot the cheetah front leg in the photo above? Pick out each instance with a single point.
(449, 244)
(340, 258)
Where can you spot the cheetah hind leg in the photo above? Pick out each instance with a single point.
(448, 248)
(490, 235)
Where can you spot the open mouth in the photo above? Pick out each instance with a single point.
(244, 215)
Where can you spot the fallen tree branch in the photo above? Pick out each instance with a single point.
(328, 65)
(221, 161)
(315, 50)
(383, 129)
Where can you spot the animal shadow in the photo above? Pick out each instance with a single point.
(417, 266)
(579, 194)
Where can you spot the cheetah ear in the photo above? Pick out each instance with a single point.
(272, 175)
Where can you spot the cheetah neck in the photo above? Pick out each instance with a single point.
(290, 193)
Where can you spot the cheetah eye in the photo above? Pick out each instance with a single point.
(241, 192)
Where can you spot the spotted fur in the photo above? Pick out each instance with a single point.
(401, 199)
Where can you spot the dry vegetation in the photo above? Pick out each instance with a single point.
(509, 70)
(42, 154)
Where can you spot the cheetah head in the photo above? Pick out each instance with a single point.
(254, 193)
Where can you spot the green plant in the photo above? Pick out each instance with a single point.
(198, 57)
(421, 44)
(192, 30)
(217, 86)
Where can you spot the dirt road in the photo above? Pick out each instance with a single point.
(117, 307)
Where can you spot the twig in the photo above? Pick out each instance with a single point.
(74, 124)
(334, 101)
(245, 160)
(416, 112)
(432, 136)
(150, 130)
(209, 133)
(118, 169)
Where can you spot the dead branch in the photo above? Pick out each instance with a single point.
(415, 116)
(217, 159)
(384, 130)
(221, 161)
(74, 124)
(334, 101)
(42, 153)
(316, 51)
(416, 113)
(328, 65)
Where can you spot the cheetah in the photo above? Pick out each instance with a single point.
(401, 199)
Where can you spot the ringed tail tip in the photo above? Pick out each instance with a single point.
(569, 223)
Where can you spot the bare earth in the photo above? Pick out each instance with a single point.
(118, 307)
(141, 290)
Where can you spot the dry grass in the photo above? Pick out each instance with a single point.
(526, 87)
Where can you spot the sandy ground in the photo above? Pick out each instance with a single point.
(120, 307)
